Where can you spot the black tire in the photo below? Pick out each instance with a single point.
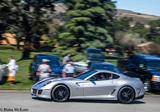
(147, 85)
(60, 93)
(126, 95)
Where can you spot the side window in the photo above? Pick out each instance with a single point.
(114, 76)
(101, 76)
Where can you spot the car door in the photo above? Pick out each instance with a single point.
(95, 87)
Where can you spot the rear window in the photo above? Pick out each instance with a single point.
(114, 76)
(53, 62)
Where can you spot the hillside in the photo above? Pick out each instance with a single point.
(137, 17)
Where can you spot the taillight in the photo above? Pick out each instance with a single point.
(153, 79)
(156, 78)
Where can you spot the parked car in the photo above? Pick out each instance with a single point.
(114, 86)
(54, 63)
(145, 67)
(94, 55)
(83, 66)
(3, 73)
(103, 66)
(80, 67)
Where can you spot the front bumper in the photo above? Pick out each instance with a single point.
(140, 97)
(40, 93)
(155, 85)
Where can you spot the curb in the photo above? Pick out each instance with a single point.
(14, 91)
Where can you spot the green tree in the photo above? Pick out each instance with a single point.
(89, 23)
(5, 11)
(122, 24)
(140, 29)
(121, 27)
(29, 19)
(154, 34)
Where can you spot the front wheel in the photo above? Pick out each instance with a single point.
(126, 95)
(60, 93)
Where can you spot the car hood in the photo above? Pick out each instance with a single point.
(51, 79)
(155, 72)
(63, 79)
(47, 81)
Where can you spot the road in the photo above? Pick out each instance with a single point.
(22, 102)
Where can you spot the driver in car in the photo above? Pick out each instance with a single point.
(102, 77)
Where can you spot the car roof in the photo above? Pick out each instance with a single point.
(147, 57)
(45, 55)
(102, 63)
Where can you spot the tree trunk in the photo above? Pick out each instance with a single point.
(18, 45)
(26, 53)
(27, 49)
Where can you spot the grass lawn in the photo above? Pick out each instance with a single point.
(22, 73)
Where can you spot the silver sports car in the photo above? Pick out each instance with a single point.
(99, 84)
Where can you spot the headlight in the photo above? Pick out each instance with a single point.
(156, 78)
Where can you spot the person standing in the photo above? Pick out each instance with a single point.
(43, 70)
(69, 70)
(12, 67)
(66, 58)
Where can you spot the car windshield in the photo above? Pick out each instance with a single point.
(53, 62)
(84, 75)
(105, 67)
(95, 56)
(153, 65)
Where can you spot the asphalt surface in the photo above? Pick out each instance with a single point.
(21, 101)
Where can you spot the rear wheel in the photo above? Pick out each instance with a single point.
(126, 95)
(60, 93)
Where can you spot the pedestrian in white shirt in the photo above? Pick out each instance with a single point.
(44, 69)
(69, 70)
(12, 67)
